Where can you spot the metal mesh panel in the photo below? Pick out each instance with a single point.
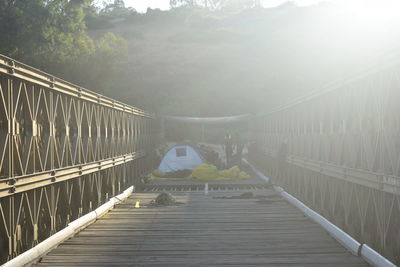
(64, 151)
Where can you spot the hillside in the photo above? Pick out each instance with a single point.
(183, 60)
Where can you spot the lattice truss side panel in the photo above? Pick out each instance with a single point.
(356, 126)
(30, 217)
(43, 130)
(64, 151)
(339, 152)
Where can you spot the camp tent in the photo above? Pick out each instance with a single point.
(180, 157)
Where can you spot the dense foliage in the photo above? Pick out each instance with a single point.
(52, 35)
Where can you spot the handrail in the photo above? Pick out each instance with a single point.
(20, 70)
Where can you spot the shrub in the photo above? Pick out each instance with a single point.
(204, 172)
(208, 172)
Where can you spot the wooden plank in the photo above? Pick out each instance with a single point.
(203, 231)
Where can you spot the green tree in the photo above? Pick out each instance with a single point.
(45, 33)
(116, 5)
(110, 50)
(67, 40)
(21, 28)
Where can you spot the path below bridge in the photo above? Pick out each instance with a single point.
(218, 229)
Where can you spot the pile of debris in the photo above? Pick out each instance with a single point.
(164, 199)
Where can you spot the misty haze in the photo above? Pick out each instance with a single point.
(199, 133)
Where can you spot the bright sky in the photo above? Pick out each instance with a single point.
(142, 5)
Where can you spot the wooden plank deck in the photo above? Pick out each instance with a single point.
(203, 231)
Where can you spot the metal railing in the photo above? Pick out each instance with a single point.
(339, 153)
(64, 151)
